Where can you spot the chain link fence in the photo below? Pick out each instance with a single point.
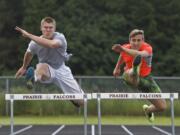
(90, 84)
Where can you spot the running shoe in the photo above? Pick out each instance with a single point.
(136, 62)
(149, 116)
(30, 77)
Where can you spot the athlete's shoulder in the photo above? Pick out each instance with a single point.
(146, 46)
(32, 43)
(60, 37)
(58, 34)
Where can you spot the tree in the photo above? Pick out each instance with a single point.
(8, 42)
(91, 27)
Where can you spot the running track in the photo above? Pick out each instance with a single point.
(92, 130)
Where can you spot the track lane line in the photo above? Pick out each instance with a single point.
(58, 130)
(22, 130)
(161, 130)
(127, 130)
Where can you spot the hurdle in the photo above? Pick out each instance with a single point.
(138, 96)
(86, 97)
(25, 97)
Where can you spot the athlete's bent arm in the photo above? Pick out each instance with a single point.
(118, 48)
(117, 70)
(40, 40)
(135, 52)
(26, 61)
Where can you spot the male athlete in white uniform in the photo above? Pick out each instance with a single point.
(50, 49)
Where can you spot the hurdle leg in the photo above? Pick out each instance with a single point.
(85, 114)
(12, 116)
(172, 113)
(99, 113)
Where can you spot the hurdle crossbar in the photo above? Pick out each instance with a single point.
(135, 95)
(46, 96)
(24, 97)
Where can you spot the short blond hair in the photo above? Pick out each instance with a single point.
(48, 20)
(136, 32)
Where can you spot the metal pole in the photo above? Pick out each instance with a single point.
(7, 92)
(80, 82)
(99, 113)
(12, 116)
(172, 113)
(85, 114)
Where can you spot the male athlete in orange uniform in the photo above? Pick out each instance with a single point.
(137, 56)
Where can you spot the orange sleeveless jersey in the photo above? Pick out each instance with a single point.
(145, 67)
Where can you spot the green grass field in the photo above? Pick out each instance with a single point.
(73, 120)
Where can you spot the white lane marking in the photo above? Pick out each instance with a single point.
(128, 131)
(58, 130)
(22, 130)
(93, 129)
(161, 130)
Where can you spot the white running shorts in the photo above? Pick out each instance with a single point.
(64, 79)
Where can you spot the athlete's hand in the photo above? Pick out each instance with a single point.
(23, 32)
(116, 72)
(117, 48)
(20, 72)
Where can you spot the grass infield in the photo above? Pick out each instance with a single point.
(76, 120)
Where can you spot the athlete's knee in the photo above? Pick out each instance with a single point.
(126, 76)
(42, 72)
(130, 79)
(41, 67)
(162, 106)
